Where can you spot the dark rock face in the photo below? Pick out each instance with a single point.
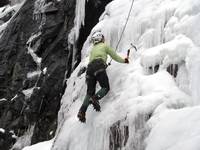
(7, 138)
(41, 107)
(31, 89)
(4, 2)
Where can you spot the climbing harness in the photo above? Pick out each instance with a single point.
(129, 13)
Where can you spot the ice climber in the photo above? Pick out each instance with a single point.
(96, 71)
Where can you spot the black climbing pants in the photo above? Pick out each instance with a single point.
(96, 72)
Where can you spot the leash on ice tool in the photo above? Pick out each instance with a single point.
(129, 13)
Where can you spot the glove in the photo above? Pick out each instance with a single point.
(126, 61)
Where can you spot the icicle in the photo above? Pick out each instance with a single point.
(80, 16)
(74, 33)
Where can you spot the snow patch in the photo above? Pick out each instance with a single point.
(14, 98)
(33, 74)
(3, 99)
(37, 59)
(44, 70)
(28, 92)
(24, 140)
(7, 10)
(43, 145)
(2, 130)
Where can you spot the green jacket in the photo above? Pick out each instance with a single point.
(101, 50)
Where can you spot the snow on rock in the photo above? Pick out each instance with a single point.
(140, 107)
(33, 74)
(3, 99)
(37, 59)
(43, 146)
(44, 71)
(6, 13)
(8, 9)
(2, 28)
(28, 92)
(24, 140)
(2, 130)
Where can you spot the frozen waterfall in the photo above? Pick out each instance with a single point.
(143, 102)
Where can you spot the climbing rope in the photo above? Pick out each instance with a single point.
(124, 28)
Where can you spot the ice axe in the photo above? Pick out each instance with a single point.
(133, 47)
(128, 51)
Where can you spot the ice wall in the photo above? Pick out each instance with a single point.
(194, 67)
(158, 28)
(140, 103)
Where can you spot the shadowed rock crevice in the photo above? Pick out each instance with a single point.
(4, 2)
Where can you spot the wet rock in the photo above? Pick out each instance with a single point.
(4, 2)
(16, 63)
(7, 139)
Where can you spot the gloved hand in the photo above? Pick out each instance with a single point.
(126, 60)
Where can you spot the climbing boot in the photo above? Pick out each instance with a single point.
(81, 116)
(95, 104)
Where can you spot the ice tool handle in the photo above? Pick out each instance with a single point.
(128, 53)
